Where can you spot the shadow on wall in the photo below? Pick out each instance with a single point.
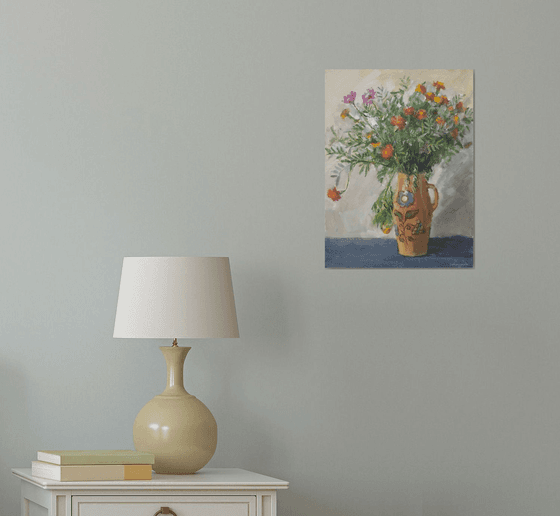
(244, 436)
(294, 498)
(15, 436)
(455, 213)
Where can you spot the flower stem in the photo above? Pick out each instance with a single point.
(402, 169)
(363, 116)
(347, 182)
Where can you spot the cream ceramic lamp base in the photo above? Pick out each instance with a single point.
(175, 426)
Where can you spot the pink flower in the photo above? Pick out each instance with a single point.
(351, 97)
(367, 99)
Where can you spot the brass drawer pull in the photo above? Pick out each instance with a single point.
(165, 510)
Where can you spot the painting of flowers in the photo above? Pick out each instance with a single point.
(399, 169)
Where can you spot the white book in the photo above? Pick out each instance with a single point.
(73, 457)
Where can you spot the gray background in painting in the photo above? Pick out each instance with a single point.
(133, 128)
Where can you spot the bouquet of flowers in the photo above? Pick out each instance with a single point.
(406, 131)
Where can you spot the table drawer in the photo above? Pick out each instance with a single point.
(215, 505)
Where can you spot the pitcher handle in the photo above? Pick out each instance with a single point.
(436, 197)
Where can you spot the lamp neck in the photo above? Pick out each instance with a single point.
(175, 359)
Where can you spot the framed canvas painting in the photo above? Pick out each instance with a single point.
(399, 169)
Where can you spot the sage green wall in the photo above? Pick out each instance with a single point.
(153, 128)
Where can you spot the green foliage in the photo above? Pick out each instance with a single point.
(396, 136)
(383, 207)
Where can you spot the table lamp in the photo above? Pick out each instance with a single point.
(173, 298)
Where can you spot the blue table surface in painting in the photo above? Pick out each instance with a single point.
(368, 253)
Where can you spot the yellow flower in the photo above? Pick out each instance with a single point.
(437, 100)
(345, 113)
(376, 144)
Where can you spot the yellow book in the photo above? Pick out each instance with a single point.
(75, 457)
(91, 472)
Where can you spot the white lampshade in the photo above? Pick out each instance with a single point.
(176, 297)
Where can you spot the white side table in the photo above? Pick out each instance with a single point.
(209, 492)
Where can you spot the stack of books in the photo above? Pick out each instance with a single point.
(82, 465)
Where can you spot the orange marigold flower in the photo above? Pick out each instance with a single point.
(439, 85)
(369, 135)
(437, 100)
(450, 108)
(374, 144)
(444, 100)
(398, 121)
(459, 106)
(345, 113)
(440, 120)
(333, 194)
(455, 133)
(421, 114)
(456, 119)
(409, 111)
(421, 88)
(387, 151)
(430, 96)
